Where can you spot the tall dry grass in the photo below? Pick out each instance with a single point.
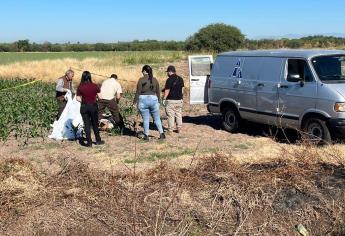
(50, 70)
(126, 66)
(213, 196)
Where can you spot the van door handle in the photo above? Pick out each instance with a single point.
(261, 85)
(283, 86)
(195, 79)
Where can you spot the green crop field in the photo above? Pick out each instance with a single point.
(26, 111)
(29, 107)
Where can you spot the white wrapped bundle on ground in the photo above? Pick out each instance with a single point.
(70, 125)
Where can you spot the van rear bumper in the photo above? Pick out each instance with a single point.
(337, 127)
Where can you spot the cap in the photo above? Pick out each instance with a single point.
(113, 76)
(171, 69)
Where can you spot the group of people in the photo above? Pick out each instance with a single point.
(94, 100)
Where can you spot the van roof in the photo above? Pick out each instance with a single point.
(298, 53)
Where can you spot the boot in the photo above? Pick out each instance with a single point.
(101, 142)
(162, 136)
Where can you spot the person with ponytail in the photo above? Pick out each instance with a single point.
(147, 99)
(87, 93)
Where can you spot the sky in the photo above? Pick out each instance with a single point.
(91, 21)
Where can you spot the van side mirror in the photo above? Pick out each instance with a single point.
(294, 78)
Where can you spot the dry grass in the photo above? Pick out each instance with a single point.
(213, 196)
(126, 65)
(50, 70)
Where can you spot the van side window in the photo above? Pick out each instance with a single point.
(223, 67)
(201, 66)
(301, 68)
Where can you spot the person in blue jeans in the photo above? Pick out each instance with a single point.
(147, 98)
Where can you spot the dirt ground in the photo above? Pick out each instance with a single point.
(201, 135)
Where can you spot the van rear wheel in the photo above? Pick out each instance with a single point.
(316, 131)
(231, 120)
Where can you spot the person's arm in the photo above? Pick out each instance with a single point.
(167, 88)
(79, 95)
(183, 88)
(119, 94)
(166, 93)
(99, 95)
(59, 86)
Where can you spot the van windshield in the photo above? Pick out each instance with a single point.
(330, 69)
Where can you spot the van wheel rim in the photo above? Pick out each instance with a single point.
(230, 119)
(315, 130)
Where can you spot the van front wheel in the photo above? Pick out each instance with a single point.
(317, 131)
(231, 120)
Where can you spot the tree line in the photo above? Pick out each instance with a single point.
(146, 45)
(214, 37)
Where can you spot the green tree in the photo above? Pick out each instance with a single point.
(23, 45)
(216, 37)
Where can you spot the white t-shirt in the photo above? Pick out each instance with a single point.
(110, 87)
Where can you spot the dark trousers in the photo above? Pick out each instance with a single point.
(114, 110)
(89, 112)
(61, 106)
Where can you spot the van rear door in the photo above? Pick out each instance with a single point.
(199, 71)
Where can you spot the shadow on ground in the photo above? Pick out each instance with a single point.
(248, 128)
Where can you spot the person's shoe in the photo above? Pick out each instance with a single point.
(178, 130)
(146, 137)
(162, 136)
(89, 145)
(100, 142)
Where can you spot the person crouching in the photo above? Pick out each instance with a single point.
(111, 92)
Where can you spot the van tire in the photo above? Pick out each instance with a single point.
(231, 120)
(316, 132)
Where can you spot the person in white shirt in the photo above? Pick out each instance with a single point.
(111, 92)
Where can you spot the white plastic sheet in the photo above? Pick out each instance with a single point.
(70, 124)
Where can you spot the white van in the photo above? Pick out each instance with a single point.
(299, 89)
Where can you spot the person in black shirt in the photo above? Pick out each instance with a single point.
(173, 99)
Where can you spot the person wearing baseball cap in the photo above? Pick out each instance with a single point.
(173, 99)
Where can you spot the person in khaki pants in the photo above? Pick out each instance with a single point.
(111, 92)
(173, 99)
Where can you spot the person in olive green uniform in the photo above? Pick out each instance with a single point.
(63, 85)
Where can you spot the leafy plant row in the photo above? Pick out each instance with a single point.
(27, 112)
